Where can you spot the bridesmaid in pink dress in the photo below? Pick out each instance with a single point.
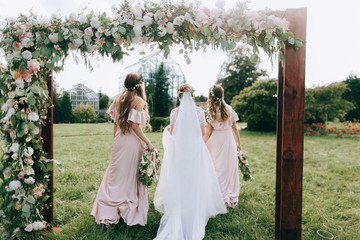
(221, 144)
(120, 193)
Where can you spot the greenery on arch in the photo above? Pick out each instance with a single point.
(35, 46)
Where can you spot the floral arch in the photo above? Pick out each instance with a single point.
(34, 47)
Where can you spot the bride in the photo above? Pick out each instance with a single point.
(188, 192)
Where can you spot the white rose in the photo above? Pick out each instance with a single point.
(218, 22)
(29, 180)
(44, 21)
(95, 22)
(29, 152)
(14, 147)
(38, 225)
(29, 171)
(73, 17)
(188, 17)
(179, 20)
(82, 19)
(15, 156)
(19, 83)
(29, 227)
(55, 16)
(78, 42)
(222, 32)
(19, 91)
(170, 27)
(147, 20)
(175, 35)
(4, 107)
(33, 116)
(138, 31)
(14, 185)
(54, 38)
(5, 148)
(36, 131)
(162, 31)
(27, 55)
(7, 171)
(137, 14)
(11, 94)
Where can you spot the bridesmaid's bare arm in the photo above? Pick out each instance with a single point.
(208, 132)
(237, 135)
(202, 130)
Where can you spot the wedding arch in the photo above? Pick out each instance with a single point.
(35, 47)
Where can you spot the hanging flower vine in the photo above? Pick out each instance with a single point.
(35, 46)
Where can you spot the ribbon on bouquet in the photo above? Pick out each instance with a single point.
(153, 161)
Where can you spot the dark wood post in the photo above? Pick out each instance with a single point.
(47, 135)
(290, 135)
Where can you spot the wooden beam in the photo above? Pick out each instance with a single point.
(47, 135)
(289, 183)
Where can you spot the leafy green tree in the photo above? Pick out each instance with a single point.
(201, 98)
(238, 72)
(326, 103)
(150, 88)
(103, 100)
(161, 96)
(257, 105)
(66, 109)
(352, 94)
(84, 114)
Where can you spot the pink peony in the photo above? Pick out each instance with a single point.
(88, 31)
(17, 45)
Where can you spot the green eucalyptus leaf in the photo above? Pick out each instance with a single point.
(291, 40)
(47, 41)
(50, 166)
(31, 99)
(25, 208)
(30, 199)
(188, 61)
(254, 58)
(206, 31)
(31, 125)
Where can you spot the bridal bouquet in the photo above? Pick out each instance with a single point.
(244, 166)
(148, 167)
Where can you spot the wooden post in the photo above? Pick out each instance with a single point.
(290, 138)
(47, 135)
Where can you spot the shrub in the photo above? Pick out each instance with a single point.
(257, 105)
(84, 114)
(158, 123)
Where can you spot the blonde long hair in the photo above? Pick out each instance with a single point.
(216, 100)
(132, 89)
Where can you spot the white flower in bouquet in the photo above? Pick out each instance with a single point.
(82, 19)
(163, 31)
(44, 21)
(29, 227)
(14, 147)
(170, 28)
(148, 19)
(29, 171)
(14, 185)
(73, 17)
(19, 91)
(54, 38)
(39, 225)
(7, 171)
(95, 23)
(14, 156)
(29, 180)
(178, 21)
(188, 17)
(33, 116)
(11, 94)
(19, 83)
(27, 55)
(220, 4)
(36, 131)
(28, 152)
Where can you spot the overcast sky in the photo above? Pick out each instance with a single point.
(333, 45)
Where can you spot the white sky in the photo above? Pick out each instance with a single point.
(333, 48)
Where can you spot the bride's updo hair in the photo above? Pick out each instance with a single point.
(185, 87)
(134, 86)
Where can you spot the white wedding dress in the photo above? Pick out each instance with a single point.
(188, 192)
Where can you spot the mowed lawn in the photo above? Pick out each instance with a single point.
(331, 197)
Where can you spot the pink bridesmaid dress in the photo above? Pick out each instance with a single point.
(222, 147)
(120, 193)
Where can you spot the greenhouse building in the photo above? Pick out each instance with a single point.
(80, 94)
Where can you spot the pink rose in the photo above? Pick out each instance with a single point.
(88, 31)
(27, 77)
(3, 69)
(21, 175)
(33, 65)
(17, 45)
(284, 25)
(28, 161)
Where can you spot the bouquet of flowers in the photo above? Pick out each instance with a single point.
(244, 166)
(148, 167)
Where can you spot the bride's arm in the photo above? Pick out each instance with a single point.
(208, 132)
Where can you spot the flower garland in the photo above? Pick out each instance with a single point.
(35, 46)
(137, 85)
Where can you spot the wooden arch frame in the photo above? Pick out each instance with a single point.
(290, 134)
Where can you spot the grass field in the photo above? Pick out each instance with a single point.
(331, 197)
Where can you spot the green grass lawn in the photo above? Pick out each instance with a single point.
(331, 197)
